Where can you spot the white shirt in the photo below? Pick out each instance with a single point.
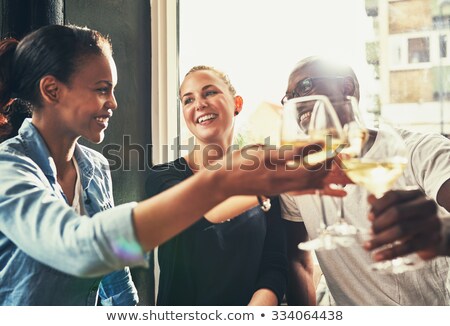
(77, 203)
(346, 269)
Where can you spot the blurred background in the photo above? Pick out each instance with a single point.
(399, 50)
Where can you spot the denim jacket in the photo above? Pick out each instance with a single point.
(50, 255)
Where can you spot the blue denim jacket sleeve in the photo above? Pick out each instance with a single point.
(41, 224)
(117, 289)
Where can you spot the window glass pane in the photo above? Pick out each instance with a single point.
(257, 43)
(398, 51)
(418, 50)
(443, 46)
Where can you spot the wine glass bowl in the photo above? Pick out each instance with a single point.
(314, 119)
(377, 177)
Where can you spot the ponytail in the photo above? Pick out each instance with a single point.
(12, 111)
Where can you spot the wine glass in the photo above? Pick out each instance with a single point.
(313, 119)
(378, 169)
(356, 135)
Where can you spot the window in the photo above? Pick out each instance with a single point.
(418, 50)
(399, 70)
(269, 38)
(443, 46)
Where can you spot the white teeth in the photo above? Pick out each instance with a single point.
(206, 118)
(101, 119)
(305, 116)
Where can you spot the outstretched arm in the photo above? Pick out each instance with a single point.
(158, 219)
(117, 237)
(230, 208)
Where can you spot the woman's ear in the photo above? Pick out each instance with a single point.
(49, 88)
(238, 102)
(349, 86)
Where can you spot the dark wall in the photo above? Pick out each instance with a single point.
(23, 16)
(128, 25)
(126, 144)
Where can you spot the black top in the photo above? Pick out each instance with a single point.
(219, 264)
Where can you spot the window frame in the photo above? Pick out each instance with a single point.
(401, 41)
(165, 80)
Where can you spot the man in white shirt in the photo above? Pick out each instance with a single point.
(346, 269)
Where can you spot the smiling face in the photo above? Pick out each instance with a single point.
(208, 107)
(87, 102)
(322, 78)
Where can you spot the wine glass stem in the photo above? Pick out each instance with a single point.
(341, 209)
(323, 224)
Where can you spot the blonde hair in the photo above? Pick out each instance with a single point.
(219, 73)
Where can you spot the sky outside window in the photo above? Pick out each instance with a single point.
(258, 42)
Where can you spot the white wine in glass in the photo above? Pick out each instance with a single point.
(376, 177)
(378, 171)
(298, 131)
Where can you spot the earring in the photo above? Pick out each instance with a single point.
(236, 112)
